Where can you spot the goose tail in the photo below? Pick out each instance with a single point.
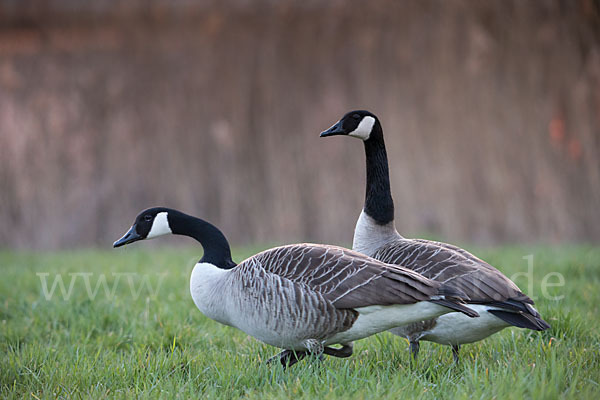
(520, 313)
(521, 320)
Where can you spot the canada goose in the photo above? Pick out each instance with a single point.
(495, 297)
(301, 297)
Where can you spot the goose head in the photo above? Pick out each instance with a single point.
(149, 224)
(159, 221)
(360, 124)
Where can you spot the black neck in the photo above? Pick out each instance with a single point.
(378, 198)
(215, 245)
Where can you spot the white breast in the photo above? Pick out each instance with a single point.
(208, 285)
(256, 304)
(370, 236)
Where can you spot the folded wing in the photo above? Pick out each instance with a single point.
(462, 271)
(349, 279)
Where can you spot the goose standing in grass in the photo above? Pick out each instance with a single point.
(303, 297)
(495, 297)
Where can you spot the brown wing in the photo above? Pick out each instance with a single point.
(346, 278)
(452, 266)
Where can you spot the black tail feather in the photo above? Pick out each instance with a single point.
(452, 292)
(521, 320)
(454, 298)
(456, 306)
(514, 305)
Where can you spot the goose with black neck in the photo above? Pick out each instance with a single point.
(498, 300)
(302, 298)
(375, 225)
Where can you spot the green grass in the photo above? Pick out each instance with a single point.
(157, 344)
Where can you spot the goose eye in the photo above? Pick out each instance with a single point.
(148, 217)
(356, 116)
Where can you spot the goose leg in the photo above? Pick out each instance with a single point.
(315, 348)
(343, 352)
(287, 358)
(414, 349)
(455, 350)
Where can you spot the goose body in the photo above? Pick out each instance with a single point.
(286, 313)
(496, 298)
(301, 297)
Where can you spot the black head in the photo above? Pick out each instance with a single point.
(360, 123)
(148, 224)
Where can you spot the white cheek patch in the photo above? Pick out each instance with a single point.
(160, 226)
(363, 130)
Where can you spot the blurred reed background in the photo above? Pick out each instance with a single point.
(491, 111)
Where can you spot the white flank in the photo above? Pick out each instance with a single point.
(375, 319)
(370, 236)
(363, 130)
(160, 226)
(457, 328)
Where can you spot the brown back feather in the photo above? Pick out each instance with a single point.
(452, 266)
(346, 278)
